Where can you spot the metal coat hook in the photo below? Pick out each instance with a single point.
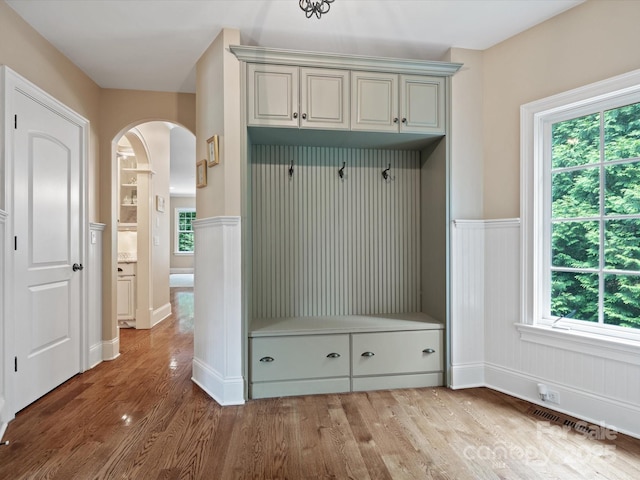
(341, 171)
(385, 172)
(291, 169)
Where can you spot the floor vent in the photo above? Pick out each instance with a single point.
(560, 419)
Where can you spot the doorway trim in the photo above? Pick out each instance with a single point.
(11, 82)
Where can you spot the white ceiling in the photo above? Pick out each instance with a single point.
(154, 44)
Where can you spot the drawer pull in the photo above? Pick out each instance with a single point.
(368, 354)
(428, 350)
(266, 359)
(333, 355)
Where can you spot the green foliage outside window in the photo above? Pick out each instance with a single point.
(595, 248)
(185, 220)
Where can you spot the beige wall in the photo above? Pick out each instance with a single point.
(179, 261)
(218, 71)
(26, 52)
(591, 42)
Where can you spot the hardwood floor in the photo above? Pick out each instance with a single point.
(141, 417)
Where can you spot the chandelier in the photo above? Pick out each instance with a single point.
(315, 7)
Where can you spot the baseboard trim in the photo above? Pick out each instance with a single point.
(228, 391)
(594, 408)
(159, 314)
(95, 355)
(111, 349)
(467, 376)
(4, 418)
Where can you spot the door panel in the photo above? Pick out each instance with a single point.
(46, 223)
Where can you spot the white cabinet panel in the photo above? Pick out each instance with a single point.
(324, 98)
(388, 353)
(421, 104)
(374, 101)
(272, 95)
(299, 357)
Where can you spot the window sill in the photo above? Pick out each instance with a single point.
(619, 349)
(183, 254)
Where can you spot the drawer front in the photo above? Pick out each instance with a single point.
(299, 357)
(126, 269)
(397, 352)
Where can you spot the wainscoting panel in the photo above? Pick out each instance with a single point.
(467, 303)
(326, 245)
(217, 350)
(94, 324)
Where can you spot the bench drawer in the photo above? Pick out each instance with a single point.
(387, 353)
(299, 357)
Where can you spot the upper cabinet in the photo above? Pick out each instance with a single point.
(352, 93)
(285, 96)
(386, 102)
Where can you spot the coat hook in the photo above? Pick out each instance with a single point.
(291, 169)
(341, 171)
(385, 172)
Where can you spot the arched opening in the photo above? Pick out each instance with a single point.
(153, 177)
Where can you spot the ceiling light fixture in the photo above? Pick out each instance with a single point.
(315, 7)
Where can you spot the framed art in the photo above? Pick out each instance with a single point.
(201, 174)
(159, 203)
(213, 149)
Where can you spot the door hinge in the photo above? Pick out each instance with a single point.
(15, 364)
(15, 122)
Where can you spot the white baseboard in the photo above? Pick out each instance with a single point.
(180, 270)
(159, 314)
(225, 391)
(467, 376)
(111, 349)
(619, 416)
(95, 355)
(4, 418)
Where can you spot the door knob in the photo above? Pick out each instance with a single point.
(77, 266)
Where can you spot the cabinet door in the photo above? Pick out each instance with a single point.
(374, 102)
(272, 95)
(126, 298)
(324, 98)
(421, 104)
(397, 352)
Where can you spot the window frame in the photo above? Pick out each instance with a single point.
(536, 120)
(177, 231)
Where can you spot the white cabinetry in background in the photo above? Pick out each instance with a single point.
(126, 291)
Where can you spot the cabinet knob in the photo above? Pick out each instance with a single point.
(266, 359)
(404, 120)
(428, 350)
(304, 116)
(395, 120)
(368, 354)
(333, 355)
(295, 114)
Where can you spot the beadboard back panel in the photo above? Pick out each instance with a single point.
(326, 245)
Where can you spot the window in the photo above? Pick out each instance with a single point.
(581, 209)
(184, 230)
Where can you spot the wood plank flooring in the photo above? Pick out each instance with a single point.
(141, 417)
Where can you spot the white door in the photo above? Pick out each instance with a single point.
(47, 228)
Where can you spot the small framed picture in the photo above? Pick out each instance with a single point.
(201, 174)
(213, 149)
(160, 203)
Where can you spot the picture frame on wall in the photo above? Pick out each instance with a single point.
(213, 149)
(201, 173)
